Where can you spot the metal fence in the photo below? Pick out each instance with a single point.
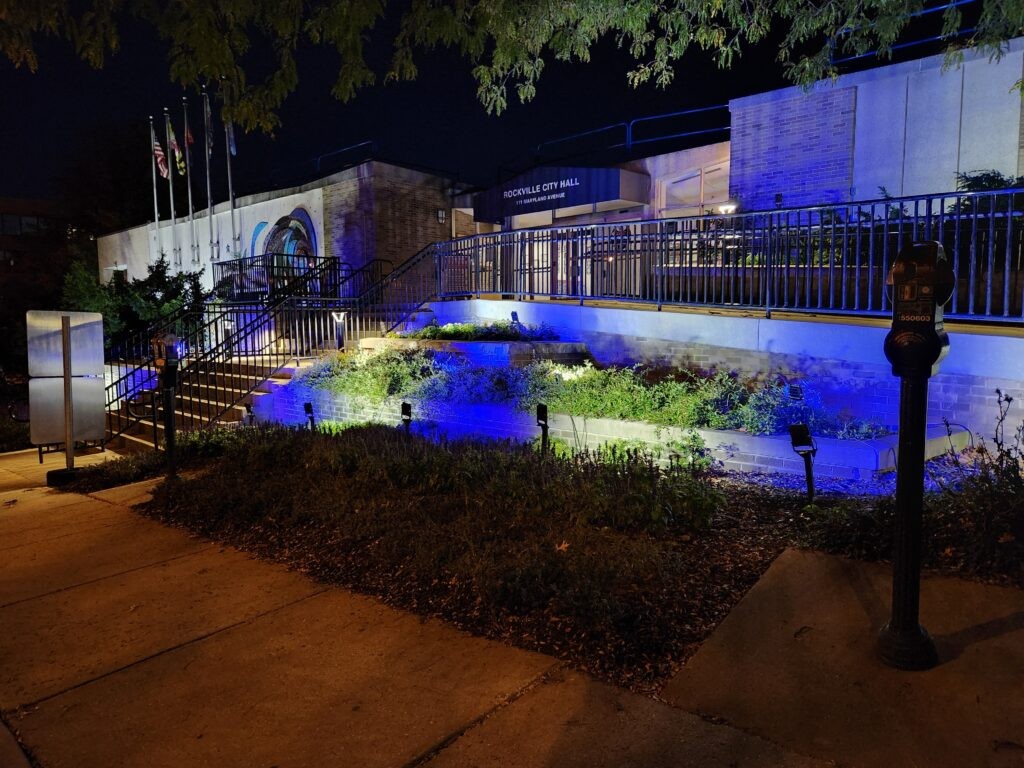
(269, 275)
(831, 258)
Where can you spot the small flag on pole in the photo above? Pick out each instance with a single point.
(161, 158)
(179, 157)
(231, 140)
(208, 120)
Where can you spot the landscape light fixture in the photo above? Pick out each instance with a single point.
(249, 414)
(308, 408)
(407, 416)
(796, 392)
(727, 209)
(804, 447)
(542, 422)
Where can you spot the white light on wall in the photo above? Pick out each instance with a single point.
(727, 208)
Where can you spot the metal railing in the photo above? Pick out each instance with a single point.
(228, 350)
(390, 302)
(261, 278)
(817, 259)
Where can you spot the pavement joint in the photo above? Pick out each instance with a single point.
(107, 576)
(77, 531)
(542, 679)
(26, 708)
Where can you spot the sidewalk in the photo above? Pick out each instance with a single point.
(128, 643)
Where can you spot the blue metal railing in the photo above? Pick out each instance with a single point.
(831, 258)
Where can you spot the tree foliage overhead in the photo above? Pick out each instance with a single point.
(246, 49)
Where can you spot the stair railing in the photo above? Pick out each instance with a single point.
(387, 304)
(290, 325)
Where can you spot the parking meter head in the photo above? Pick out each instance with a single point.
(919, 284)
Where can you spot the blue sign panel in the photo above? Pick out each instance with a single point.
(544, 189)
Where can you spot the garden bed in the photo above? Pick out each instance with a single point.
(489, 353)
(606, 561)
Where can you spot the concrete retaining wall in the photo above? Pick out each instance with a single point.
(842, 357)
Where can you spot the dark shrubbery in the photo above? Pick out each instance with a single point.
(973, 525)
(13, 434)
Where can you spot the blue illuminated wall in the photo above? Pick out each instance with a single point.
(845, 360)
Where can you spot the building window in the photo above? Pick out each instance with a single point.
(693, 192)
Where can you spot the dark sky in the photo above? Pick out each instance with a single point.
(434, 121)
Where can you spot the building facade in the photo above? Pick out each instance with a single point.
(375, 210)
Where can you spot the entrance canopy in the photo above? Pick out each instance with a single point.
(559, 188)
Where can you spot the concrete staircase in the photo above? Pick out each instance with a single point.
(218, 394)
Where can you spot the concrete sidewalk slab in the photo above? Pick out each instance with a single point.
(129, 495)
(794, 662)
(76, 635)
(335, 679)
(25, 523)
(572, 721)
(21, 469)
(45, 565)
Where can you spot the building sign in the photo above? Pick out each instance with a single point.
(545, 189)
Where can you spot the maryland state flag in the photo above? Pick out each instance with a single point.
(179, 156)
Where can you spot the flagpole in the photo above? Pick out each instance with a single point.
(170, 187)
(156, 208)
(208, 143)
(231, 188)
(188, 181)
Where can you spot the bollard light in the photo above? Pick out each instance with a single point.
(308, 408)
(804, 447)
(250, 415)
(407, 416)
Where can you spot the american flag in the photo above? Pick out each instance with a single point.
(161, 158)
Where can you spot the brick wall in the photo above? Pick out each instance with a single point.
(382, 211)
(463, 224)
(801, 148)
(348, 218)
(405, 205)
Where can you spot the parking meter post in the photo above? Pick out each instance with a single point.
(921, 282)
(165, 355)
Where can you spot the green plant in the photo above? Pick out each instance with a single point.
(499, 330)
(984, 502)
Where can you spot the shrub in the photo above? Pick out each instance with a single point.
(13, 434)
(983, 505)
(371, 376)
(500, 330)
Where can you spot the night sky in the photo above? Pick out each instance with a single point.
(434, 122)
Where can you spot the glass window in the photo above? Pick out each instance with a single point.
(716, 184)
(29, 224)
(683, 192)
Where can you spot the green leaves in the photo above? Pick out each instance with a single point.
(245, 49)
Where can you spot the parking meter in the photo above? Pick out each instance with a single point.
(920, 282)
